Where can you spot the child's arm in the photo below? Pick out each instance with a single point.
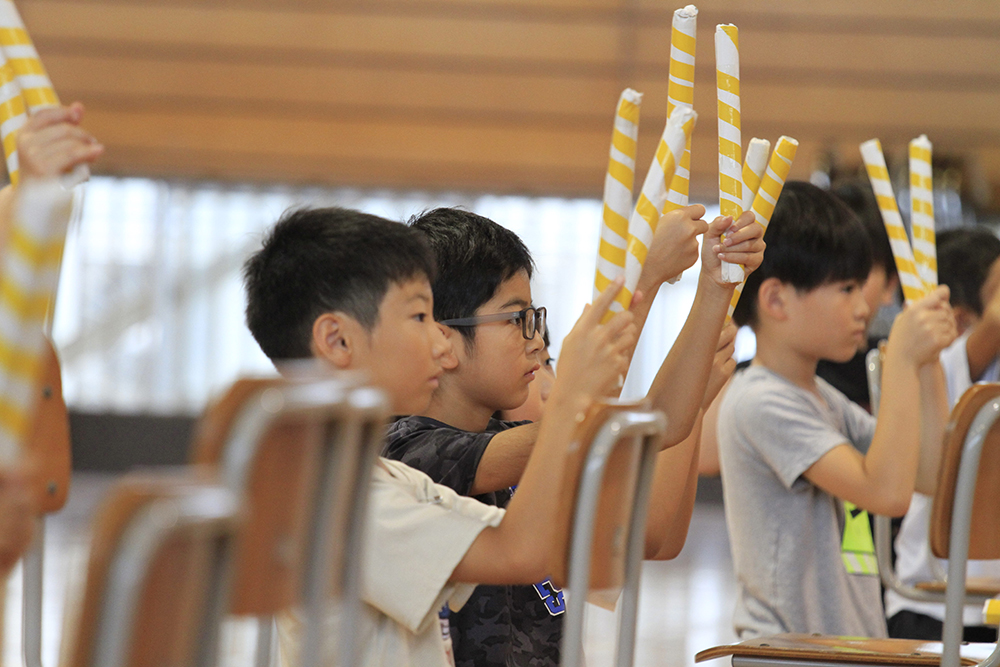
(673, 250)
(505, 458)
(679, 386)
(675, 480)
(708, 450)
(592, 357)
(883, 480)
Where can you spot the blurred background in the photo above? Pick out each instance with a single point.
(217, 115)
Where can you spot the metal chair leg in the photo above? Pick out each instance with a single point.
(264, 657)
(33, 573)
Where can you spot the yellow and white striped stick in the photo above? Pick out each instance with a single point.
(36, 88)
(680, 93)
(878, 174)
(754, 165)
(12, 116)
(767, 195)
(922, 210)
(652, 198)
(727, 76)
(28, 279)
(618, 186)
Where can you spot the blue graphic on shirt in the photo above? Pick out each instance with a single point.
(553, 598)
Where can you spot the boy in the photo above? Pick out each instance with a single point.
(483, 295)
(969, 264)
(353, 291)
(794, 450)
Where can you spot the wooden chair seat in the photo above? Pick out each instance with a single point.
(986, 587)
(820, 648)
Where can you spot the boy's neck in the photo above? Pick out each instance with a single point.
(778, 356)
(455, 408)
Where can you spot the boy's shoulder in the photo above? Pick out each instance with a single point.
(449, 455)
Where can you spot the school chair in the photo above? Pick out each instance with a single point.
(968, 494)
(978, 589)
(600, 539)
(156, 575)
(300, 451)
(48, 450)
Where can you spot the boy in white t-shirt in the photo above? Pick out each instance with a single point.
(969, 264)
(353, 290)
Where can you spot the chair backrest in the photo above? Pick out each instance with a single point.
(48, 445)
(269, 558)
(984, 539)
(600, 535)
(157, 566)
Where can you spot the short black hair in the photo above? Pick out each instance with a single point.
(964, 258)
(857, 193)
(474, 257)
(813, 239)
(320, 260)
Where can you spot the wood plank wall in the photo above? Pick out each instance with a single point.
(506, 95)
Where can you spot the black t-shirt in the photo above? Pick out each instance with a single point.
(499, 625)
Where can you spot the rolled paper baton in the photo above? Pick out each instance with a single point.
(878, 174)
(12, 116)
(753, 169)
(30, 74)
(727, 77)
(922, 210)
(767, 195)
(29, 273)
(652, 198)
(680, 93)
(618, 185)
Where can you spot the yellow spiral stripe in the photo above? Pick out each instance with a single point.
(680, 91)
(922, 210)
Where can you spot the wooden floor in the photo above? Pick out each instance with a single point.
(686, 604)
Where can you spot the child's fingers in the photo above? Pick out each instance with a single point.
(694, 211)
(603, 301)
(617, 325)
(53, 116)
(744, 234)
(744, 220)
(728, 335)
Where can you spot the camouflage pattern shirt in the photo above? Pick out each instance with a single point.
(500, 626)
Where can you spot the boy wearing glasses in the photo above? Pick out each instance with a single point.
(482, 294)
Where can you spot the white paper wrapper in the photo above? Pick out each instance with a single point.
(922, 210)
(727, 64)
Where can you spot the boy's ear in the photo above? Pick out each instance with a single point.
(449, 359)
(772, 299)
(333, 340)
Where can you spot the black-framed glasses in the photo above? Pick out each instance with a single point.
(532, 321)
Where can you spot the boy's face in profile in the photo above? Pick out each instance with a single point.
(403, 352)
(830, 321)
(496, 371)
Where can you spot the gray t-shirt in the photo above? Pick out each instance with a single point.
(786, 533)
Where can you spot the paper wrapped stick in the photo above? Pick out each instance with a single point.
(652, 199)
(36, 88)
(12, 116)
(913, 285)
(618, 186)
(753, 170)
(767, 195)
(727, 76)
(922, 210)
(680, 93)
(28, 279)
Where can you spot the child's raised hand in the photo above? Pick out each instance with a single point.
(744, 245)
(922, 330)
(52, 143)
(594, 357)
(723, 364)
(675, 245)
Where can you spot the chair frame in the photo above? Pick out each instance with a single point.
(629, 422)
(354, 416)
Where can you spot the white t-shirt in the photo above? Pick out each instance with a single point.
(417, 534)
(914, 560)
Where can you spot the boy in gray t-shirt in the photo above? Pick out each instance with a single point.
(800, 462)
